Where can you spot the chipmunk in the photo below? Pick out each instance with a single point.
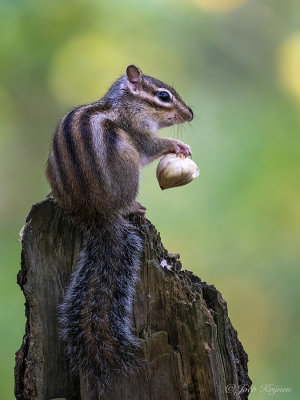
(94, 168)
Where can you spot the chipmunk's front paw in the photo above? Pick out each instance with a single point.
(182, 148)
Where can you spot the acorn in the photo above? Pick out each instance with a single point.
(175, 170)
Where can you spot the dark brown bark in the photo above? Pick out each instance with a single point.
(190, 347)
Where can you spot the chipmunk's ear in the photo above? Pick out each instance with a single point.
(134, 75)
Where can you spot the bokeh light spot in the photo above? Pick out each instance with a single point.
(289, 64)
(83, 69)
(218, 5)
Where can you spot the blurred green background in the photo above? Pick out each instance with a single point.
(237, 64)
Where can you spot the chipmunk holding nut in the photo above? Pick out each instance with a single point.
(94, 168)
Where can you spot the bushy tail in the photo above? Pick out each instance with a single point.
(94, 317)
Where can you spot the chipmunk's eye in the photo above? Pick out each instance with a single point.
(164, 96)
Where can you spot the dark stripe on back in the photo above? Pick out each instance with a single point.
(111, 137)
(67, 131)
(59, 163)
(86, 135)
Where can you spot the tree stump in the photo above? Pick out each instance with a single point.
(190, 348)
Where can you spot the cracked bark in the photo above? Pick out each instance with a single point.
(191, 349)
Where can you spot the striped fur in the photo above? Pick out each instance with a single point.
(93, 168)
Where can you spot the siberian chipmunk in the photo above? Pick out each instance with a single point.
(94, 169)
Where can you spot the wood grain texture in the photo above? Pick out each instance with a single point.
(189, 347)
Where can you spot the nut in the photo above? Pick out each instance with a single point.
(176, 170)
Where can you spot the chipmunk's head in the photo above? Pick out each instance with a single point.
(154, 101)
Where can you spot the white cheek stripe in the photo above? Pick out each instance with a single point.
(153, 98)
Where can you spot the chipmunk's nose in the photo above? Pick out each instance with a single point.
(186, 114)
(189, 115)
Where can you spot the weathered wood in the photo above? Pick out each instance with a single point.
(190, 348)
